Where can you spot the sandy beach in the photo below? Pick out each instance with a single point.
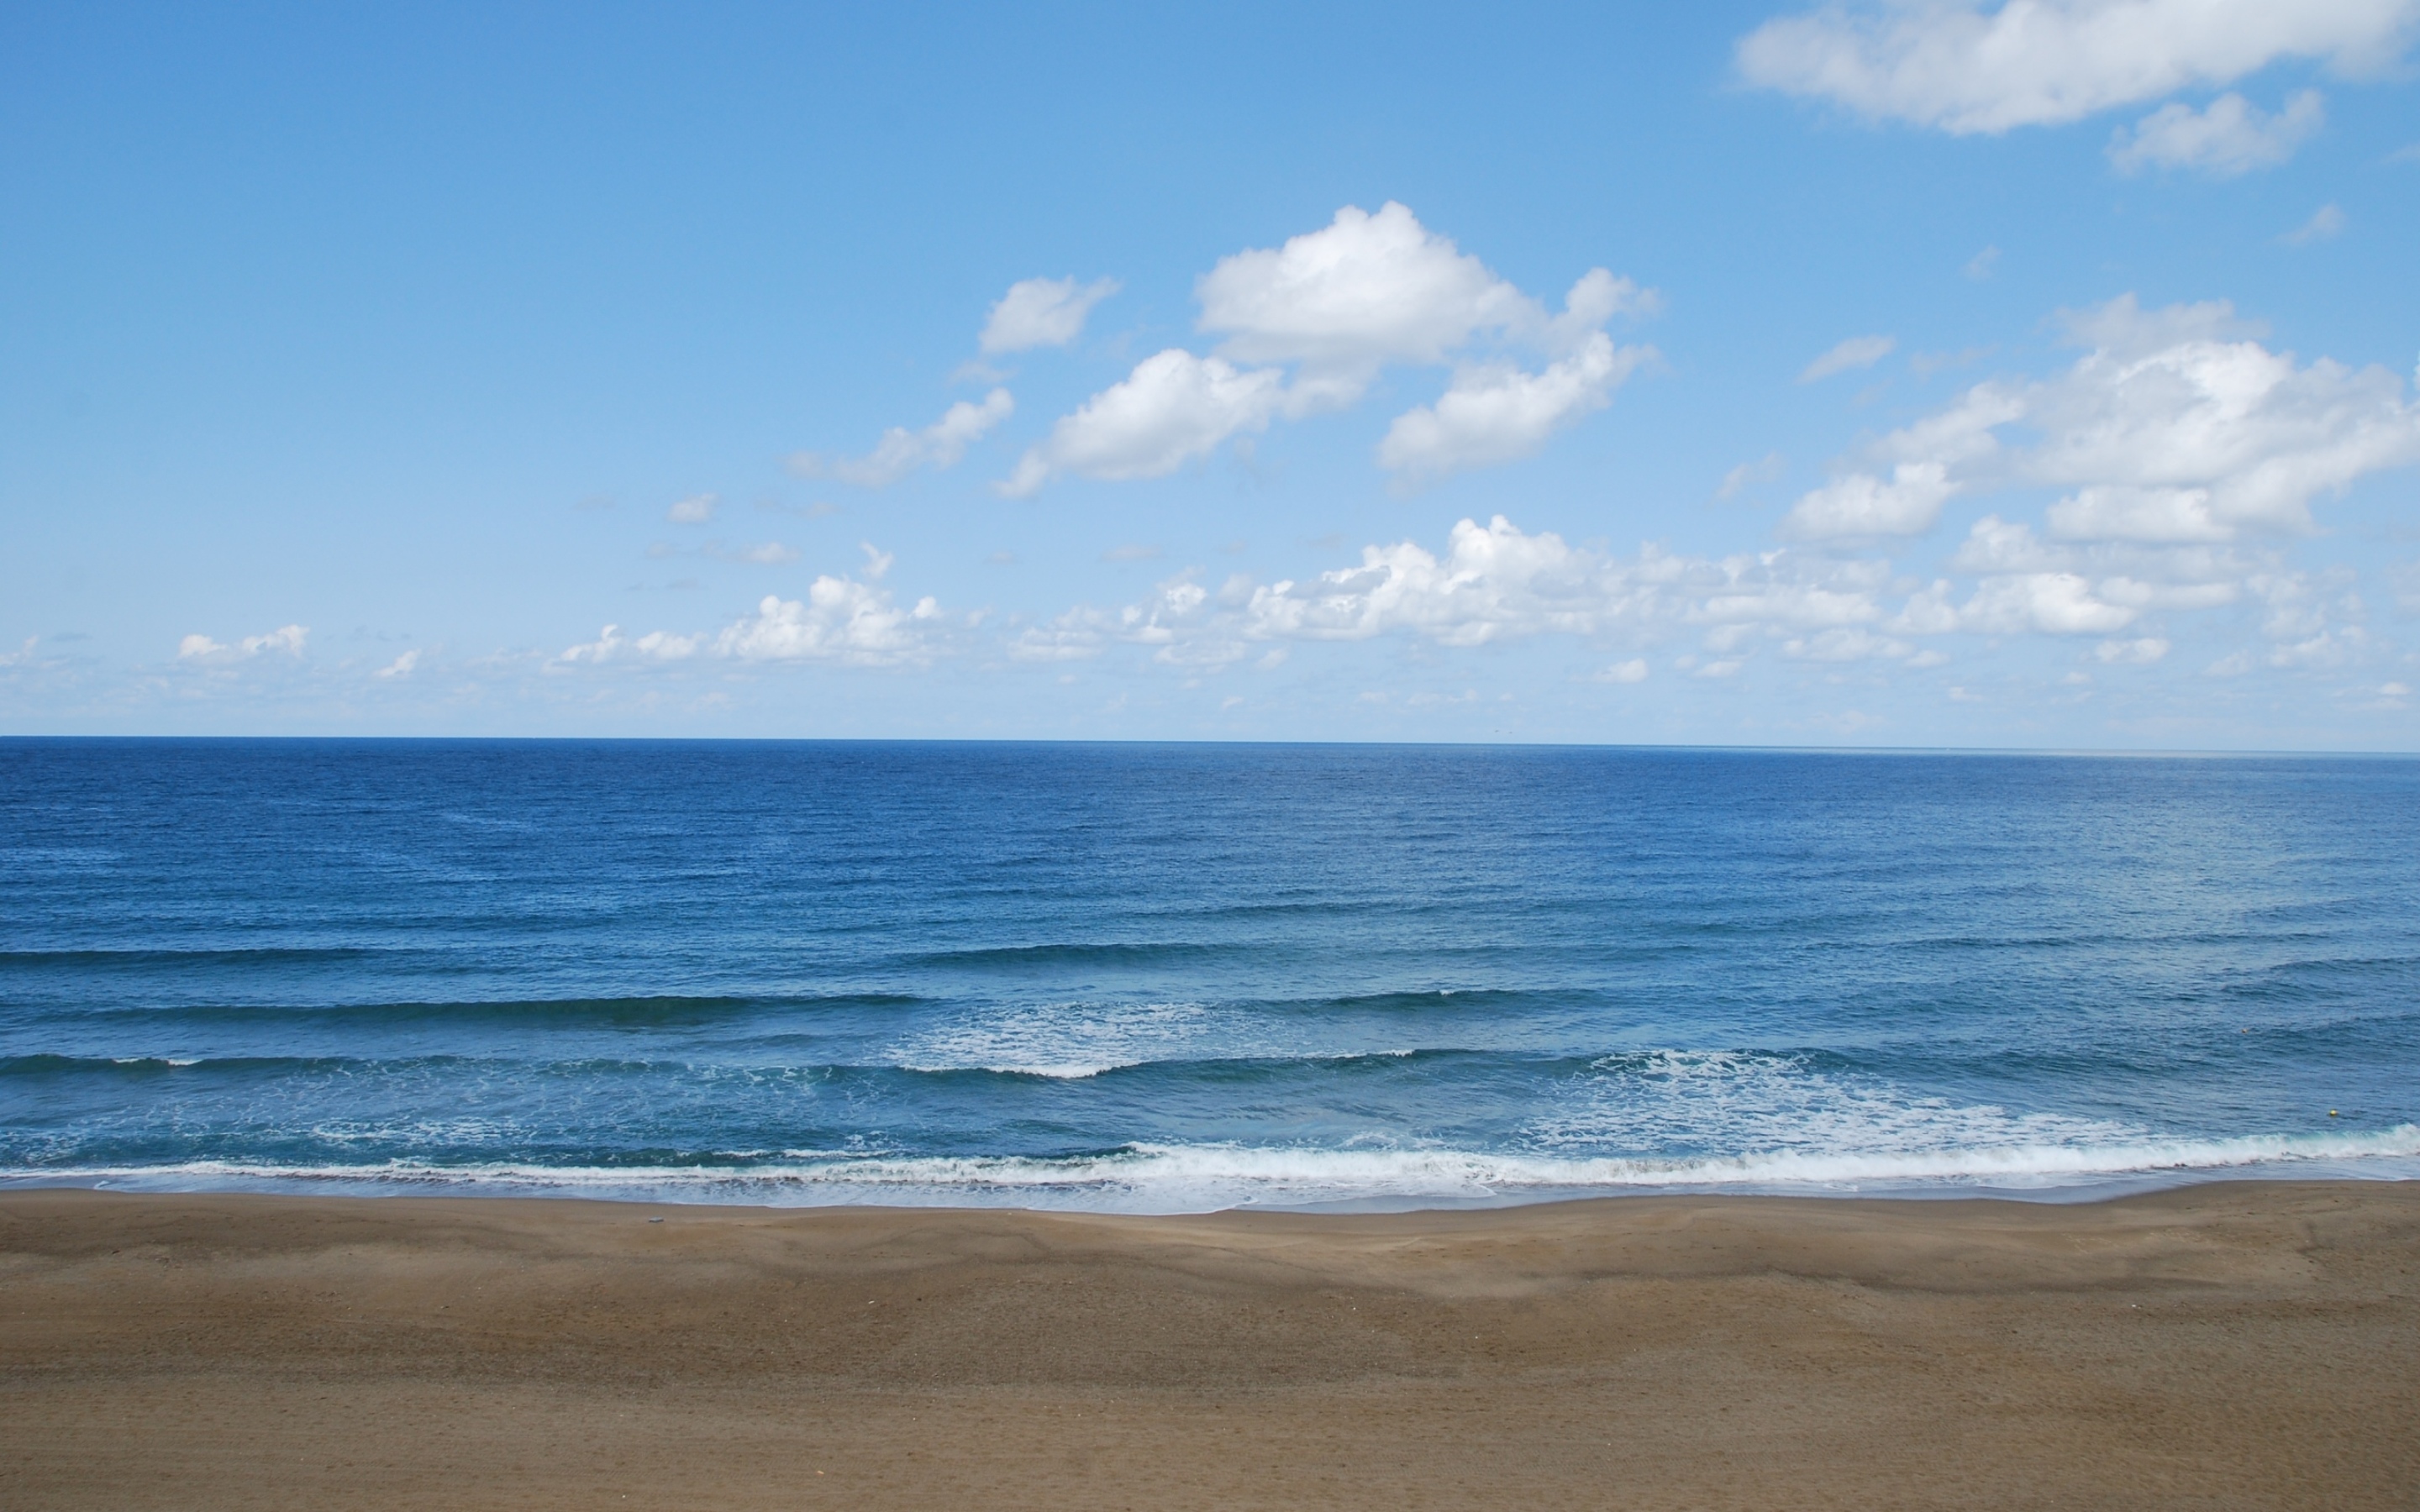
(2246, 1345)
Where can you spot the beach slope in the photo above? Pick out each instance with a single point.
(2237, 1344)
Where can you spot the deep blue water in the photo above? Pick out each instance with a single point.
(1186, 977)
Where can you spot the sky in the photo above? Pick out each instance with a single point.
(2036, 374)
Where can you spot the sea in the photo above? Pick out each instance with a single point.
(1180, 977)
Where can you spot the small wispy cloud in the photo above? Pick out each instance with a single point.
(2327, 225)
(1767, 468)
(2230, 137)
(902, 450)
(1042, 312)
(1855, 353)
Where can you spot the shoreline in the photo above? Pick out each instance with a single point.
(2251, 1343)
(2361, 1154)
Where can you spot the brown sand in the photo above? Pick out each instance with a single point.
(2246, 1345)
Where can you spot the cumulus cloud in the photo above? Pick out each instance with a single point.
(1495, 582)
(613, 645)
(845, 619)
(1966, 68)
(1306, 326)
(2230, 136)
(2051, 603)
(1492, 581)
(841, 619)
(1042, 312)
(1855, 353)
(902, 450)
(695, 510)
(1861, 505)
(1173, 408)
(288, 638)
(401, 667)
(1495, 412)
(1363, 291)
(2177, 427)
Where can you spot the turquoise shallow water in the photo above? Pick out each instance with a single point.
(1189, 977)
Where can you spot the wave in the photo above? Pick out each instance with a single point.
(1042, 957)
(1203, 1177)
(103, 958)
(658, 1009)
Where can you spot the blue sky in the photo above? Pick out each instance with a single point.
(1919, 373)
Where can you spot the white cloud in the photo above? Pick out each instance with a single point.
(1494, 582)
(2104, 512)
(611, 645)
(1982, 265)
(1861, 504)
(1172, 408)
(901, 451)
(2176, 427)
(2326, 224)
(401, 667)
(1308, 325)
(1042, 312)
(1495, 412)
(1175, 607)
(1962, 68)
(2050, 603)
(1363, 291)
(694, 510)
(2129, 575)
(2230, 136)
(288, 638)
(842, 619)
(2169, 431)
(1855, 353)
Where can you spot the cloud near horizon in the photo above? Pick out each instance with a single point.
(2179, 453)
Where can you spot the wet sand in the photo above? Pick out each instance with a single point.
(2239, 1345)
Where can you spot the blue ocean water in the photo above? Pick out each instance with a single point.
(1189, 977)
